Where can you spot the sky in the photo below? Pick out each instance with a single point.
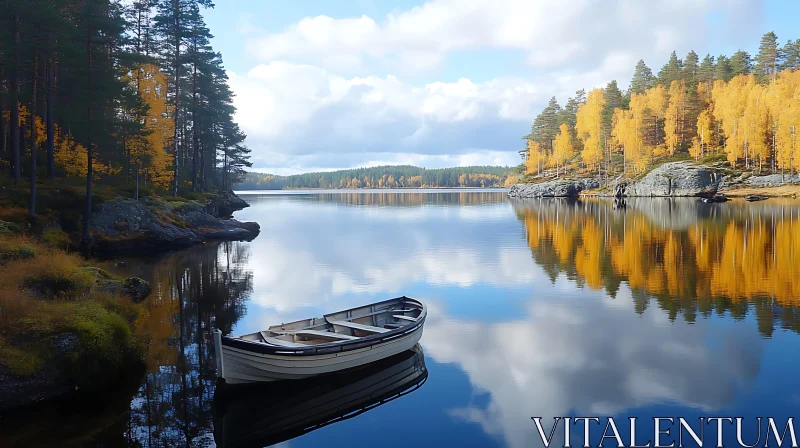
(331, 84)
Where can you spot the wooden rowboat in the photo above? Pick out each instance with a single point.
(265, 414)
(320, 345)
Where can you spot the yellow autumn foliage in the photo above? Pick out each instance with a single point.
(590, 127)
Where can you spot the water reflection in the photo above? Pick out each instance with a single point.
(536, 308)
(590, 358)
(311, 253)
(690, 256)
(263, 415)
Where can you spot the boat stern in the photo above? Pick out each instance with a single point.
(218, 353)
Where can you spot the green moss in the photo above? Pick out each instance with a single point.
(22, 361)
(15, 250)
(165, 217)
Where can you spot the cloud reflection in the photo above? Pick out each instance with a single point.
(301, 262)
(591, 358)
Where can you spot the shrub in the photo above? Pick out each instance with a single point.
(56, 238)
(53, 319)
(58, 275)
(15, 250)
(714, 158)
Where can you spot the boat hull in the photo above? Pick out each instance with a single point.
(242, 366)
(266, 414)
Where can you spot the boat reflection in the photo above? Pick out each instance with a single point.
(266, 414)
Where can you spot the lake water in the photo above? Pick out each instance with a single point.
(667, 307)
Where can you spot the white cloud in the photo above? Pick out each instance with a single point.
(314, 101)
(550, 32)
(297, 114)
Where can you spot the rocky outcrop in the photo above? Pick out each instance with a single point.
(553, 188)
(123, 225)
(676, 179)
(229, 203)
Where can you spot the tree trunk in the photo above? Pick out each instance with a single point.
(177, 68)
(202, 179)
(87, 217)
(3, 129)
(195, 136)
(136, 188)
(32, 122)
(225, 172)
(14, 113)
(51, 158)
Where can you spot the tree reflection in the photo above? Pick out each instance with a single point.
(692, 258)
(395, 199)
(193, 293)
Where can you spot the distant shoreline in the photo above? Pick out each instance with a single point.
(375, 189)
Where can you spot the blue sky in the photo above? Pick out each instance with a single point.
(332, 84)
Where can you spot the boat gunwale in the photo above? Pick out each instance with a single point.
(332, 347)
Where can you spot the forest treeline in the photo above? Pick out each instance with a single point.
(400, 176)
(124, 93)
(745, 107)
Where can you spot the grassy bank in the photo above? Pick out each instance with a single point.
(59, 326)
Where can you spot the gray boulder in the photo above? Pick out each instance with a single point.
(677, 179)
(771, 180)
(136, 288)
(126, 225)
(555, 188)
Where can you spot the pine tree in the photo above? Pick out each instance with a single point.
(82, 83)
(545, 126)
(705, 72)
(691, 68)
(199, 56)
(671, 71)
(769, 58)
(791, 55)
(724, 71)
(14, 86)
(173, 24)
(642, 78)
(568, 113)
(741, 63)
(613, 99)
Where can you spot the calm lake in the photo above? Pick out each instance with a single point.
(667, 307)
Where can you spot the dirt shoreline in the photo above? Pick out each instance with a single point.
(782, 191)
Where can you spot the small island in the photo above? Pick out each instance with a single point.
(698, 127)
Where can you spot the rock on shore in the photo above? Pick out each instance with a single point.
(124, 225)
(677, 179)
(553, 188)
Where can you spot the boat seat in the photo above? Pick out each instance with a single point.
(355, 326)
(321, 334)
(373, 313)
(281, 342)
(410, 319)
